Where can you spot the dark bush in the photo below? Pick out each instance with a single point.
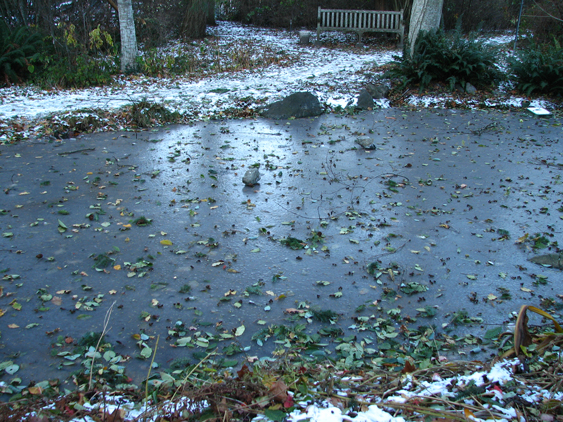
(79, 71)
(476, 15)
(452, 59)
(539, 69)
(19, 52)
(146, 114)
(544, 19)
(298, 13)
(71, 63)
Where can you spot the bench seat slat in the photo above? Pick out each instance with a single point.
(360, 21)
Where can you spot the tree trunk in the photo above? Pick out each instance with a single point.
(211, 13)
(128, 38)
(425, 16)
(193, 25)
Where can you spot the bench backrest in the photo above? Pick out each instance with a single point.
(360, 19)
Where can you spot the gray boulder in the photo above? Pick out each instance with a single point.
(377, 91)
(470, 89)
(300, 104)
(365, 143)
(365, 100)
(251, 177)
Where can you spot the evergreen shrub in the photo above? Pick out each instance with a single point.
(452, 59)
(539, 69)
(19, 52)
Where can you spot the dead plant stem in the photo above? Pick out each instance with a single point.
(191, 372)
(150, 367)
(104, 332)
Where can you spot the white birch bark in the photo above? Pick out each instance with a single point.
(425, 16)
(128, 38)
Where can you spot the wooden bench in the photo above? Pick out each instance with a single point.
(360, 21)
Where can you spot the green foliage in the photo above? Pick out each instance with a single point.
(157, 63)
(19, 51)
(72, 64)
(539, 69)
(453, 59)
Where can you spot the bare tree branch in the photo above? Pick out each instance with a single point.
(112, 4)
(546, 12)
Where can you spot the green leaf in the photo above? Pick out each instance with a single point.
(146, 352)
(275, 415)
(493, 333)
(12, 369)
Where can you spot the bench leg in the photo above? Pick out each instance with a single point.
(359, 39)
(318, 42)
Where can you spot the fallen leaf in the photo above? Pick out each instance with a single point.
(522, 239)
(13, 326)
(35, 390)
(278, 391)
(166, 242)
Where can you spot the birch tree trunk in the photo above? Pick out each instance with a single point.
(425, 16)
(128, 38)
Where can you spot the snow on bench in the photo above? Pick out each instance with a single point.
(360, 21)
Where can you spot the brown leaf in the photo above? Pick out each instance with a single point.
(278, 391)
(294, 311)
(522, 336)
(57, 300)
(409, 367)
(243, 371)
(118, 415)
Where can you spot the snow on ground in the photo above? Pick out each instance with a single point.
(318, 69)
(334, 74)
(497, 377)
